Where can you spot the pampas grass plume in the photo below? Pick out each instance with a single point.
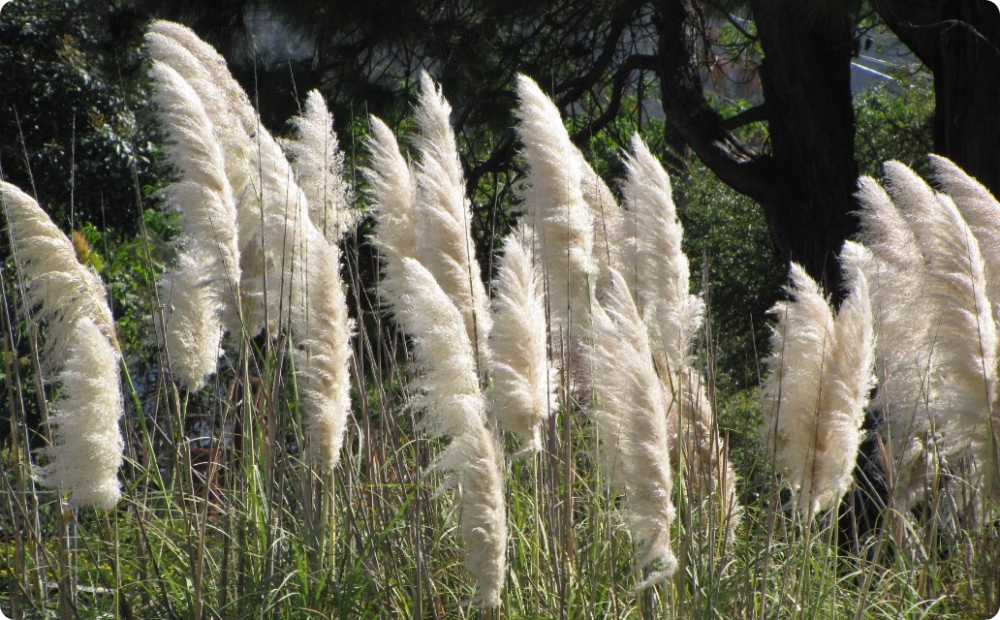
(557, 210)
(814, 398)
(454, 406)
(319, 169)
(524, 383)
(68, 299)
(631, 415)
(447, 248)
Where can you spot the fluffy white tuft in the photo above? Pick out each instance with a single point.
(609, 226)
(963, 334)
(319, 169)
(556, 209)
(632, 418)
(820, 371)
(208, 221)
(394, 193)
(447, 247)
(68, 299)
(88, 447)
(524, 383)
(454, 406)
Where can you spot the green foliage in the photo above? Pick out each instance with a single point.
(894, 121)
(69, 131)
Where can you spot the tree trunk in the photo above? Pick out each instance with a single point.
(805, 184)
(806, 80)
(959, 41)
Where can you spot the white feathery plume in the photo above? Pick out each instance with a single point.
(447, 247)
(820, 371)
(69, 300)
(323, 351)
(318, 163)
(609, 225)
(455, 407)
(981, 212)
(672, 314)
(208, 221)
(557, 211)
(904, 364)
(279, 244)
(88, 446)
(59, 289)
(215, 65)
(963, 334)
(524, 383)
(394, 192)
(171, 44)
(632, 418)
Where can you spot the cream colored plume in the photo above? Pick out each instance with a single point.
(454, 406)
(319, 169)
(447, 247)
(88, 447)
(662, 275)
(59, 289)
(631, 415)
(69, 301)
(394, 193)
(323, 352)
(981, 212)
(290, 272)
(814, 398)
(217, 70)
(963, 334)
(904, 364)
(524, 383)
(557, 211)
(609, 226)
(209, 245)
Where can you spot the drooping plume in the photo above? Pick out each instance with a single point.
(319, 169)
(556, 209)
(904, 364)
(394, 192)
(662, 275)
(981, 212)
(814, 398)
(524, 383)
(454, 406)
(447, 248)
(290, 273)
(68, 299)
(632, 418)
(209, 246)
(963, 334)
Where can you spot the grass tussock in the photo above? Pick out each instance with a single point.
(298, 439)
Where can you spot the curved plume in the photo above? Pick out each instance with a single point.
(59, 289)
(557, 211)
(815, 395)
(524, 383)
(69, 300)
(448, 249)
(319, 169)
(394, 192)
(963, 334)
(208, 220)
(609, 225)
(633, 422)
(455, 407)
(662, 274)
